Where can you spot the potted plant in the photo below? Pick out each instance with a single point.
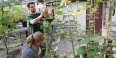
(23, 15)
(20, 14)
(15, 13)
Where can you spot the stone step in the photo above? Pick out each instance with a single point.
(14, 45)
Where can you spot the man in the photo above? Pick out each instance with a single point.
(34, 21)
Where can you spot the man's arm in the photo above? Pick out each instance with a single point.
(34, 21)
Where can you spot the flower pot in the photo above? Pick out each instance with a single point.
(9, 26)
(24, 23)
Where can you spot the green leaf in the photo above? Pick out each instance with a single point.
(5, 19)
(101, 55)
(11, 29)
(60, 7)
(58, 0)
(80, 50)
(77, 1)
(78, 10)
(85, 41)
(114, 43)
(78, 40)
(0, 4)
(2, 29)
(91, 53)
(77, 56)
(94, 35)
(101, 37)
(7, 4)
(93, 47)
(83, 31)
(6, 12)
(43, 48)
(94, 10)
(45, 56)
(95, 56)
(55, 56)
(58, 12)
(91, 21)
(110, 56)
(52, 53)
(44, 42)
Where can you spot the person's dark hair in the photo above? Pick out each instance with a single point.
(28, 5)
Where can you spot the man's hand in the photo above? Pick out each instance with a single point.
(44, 12)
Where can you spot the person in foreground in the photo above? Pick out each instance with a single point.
(31, 47)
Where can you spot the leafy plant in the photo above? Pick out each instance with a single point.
(18, 13)
(4, 20)
(92, 47)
